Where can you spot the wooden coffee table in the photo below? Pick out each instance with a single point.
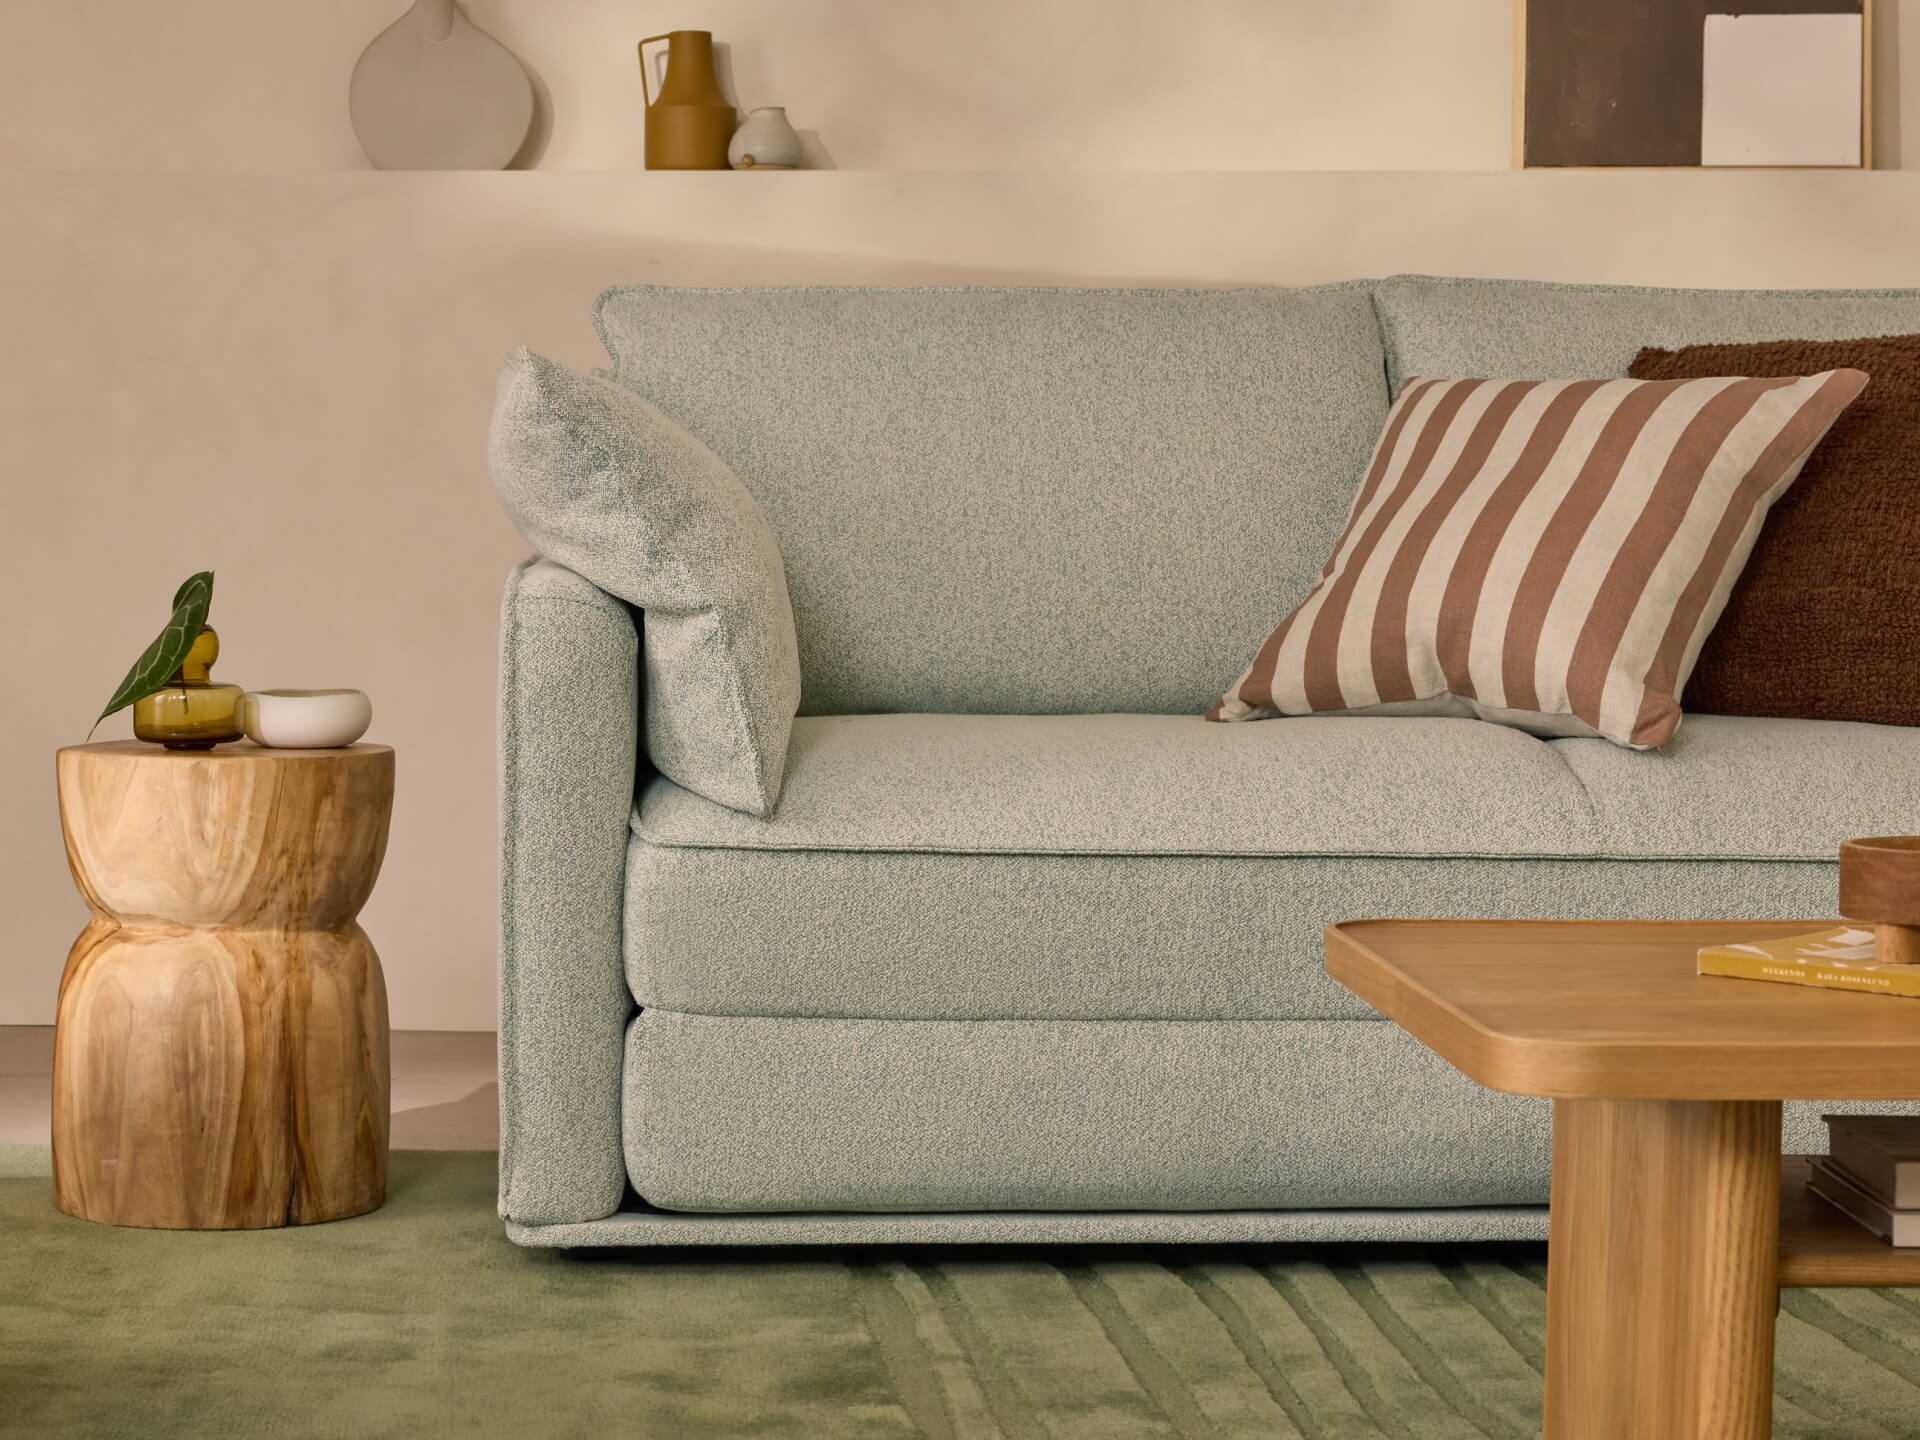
(1674, 1222)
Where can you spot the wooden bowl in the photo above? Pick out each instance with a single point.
(1880, 885)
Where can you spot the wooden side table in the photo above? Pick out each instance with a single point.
(1673, 1221)
(220, 1057)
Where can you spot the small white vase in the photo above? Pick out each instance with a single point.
(305, 719)
(765, 141)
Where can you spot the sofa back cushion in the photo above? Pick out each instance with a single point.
(1024, 500)
(1535, 331)
(1821, 624)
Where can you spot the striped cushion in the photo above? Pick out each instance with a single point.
(1547, 554)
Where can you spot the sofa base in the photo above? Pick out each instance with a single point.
(1135, 1227)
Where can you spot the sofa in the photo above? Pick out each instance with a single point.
(1027, 950)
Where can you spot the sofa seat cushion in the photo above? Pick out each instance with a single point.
(1157, 867)
(757, 1115)
(1738, 787)
(730, 1115)
(1149, 785)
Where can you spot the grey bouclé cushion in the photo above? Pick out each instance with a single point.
(1024, 500)
(1534, 330)
(601, 482)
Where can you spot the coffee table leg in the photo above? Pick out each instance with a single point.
(1663, 1269)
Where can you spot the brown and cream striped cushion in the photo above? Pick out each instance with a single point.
(1547, 554)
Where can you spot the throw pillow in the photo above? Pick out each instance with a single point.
(601, 482)
(1542, 553)
(1822, 624)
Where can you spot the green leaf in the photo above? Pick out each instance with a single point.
(160, 659)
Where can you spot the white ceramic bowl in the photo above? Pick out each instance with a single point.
(305, 719)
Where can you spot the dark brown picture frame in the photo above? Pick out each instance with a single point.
(1616, 83)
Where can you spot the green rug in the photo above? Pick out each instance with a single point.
(423, 1320)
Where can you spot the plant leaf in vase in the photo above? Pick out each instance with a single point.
(159, 660)
(180, 595)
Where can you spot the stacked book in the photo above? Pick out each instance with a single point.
(1872, 1173)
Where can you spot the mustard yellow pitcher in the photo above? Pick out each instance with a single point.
(689, 125)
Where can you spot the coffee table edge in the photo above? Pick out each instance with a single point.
(1550, 1067)
(1496, 1061)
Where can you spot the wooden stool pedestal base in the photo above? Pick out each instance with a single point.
(220, 1057)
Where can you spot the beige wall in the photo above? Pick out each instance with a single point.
(286, 376)
(260, 85)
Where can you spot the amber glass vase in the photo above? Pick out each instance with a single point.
(191, 712)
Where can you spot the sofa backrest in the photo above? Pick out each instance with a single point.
(1531, 330)
(1029, 500)
(1024, 500)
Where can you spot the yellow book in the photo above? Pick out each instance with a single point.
(1837, 959)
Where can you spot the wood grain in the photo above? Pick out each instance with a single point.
(1880, 885)
(1896, 944)
(1662, 1278)
(221, 1047)
(1819, 1246)
(1867, 22)
(1673, 1222)
(1519, 120)
(1614, 1009)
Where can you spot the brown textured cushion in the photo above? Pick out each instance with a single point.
(1824, 622)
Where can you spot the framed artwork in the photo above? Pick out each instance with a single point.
(1693, 83)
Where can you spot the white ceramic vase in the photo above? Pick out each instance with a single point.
(765, 141)
(433, 91)
(305, 719)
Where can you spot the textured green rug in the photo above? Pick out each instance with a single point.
(423, 1320)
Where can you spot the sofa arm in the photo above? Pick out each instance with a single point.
(569, 727)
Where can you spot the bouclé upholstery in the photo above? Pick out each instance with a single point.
(1027, 950)
(604, 484)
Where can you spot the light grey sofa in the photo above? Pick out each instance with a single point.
(1027, 950)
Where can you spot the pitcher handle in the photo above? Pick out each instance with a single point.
(642, 47)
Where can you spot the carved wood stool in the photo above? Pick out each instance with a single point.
(220, 1058)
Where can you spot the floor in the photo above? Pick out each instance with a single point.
(446, 1092)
